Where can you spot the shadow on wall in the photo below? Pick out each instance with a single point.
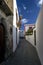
(10, 37)
(15, 38)
(39, 35)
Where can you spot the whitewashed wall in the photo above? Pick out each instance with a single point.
(14, 39)
(14, 27)
(30, 38)
(39, 35)
(17, 35)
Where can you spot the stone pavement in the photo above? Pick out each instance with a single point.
(25, 54)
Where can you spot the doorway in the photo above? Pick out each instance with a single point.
(16, 35)
(2, 42)
(35, 37)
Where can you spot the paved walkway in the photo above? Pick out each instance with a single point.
(25, 55)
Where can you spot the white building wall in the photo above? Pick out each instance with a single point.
(17, 35)
(39, 35)
(30, 38)
(14, 39)
(14, 27)
(26, 28)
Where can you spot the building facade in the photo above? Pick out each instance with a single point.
(9, 32)
(28, 26)
(6, 30)
(39, 34)
(15, 28)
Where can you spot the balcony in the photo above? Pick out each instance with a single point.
(4, 7)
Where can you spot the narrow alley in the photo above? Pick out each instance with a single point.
(25, 54)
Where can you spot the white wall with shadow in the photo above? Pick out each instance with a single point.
(39, 35)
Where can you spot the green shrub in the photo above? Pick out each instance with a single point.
(29, 32)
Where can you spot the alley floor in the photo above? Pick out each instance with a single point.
(25, 54)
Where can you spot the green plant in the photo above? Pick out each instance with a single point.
(29, 32)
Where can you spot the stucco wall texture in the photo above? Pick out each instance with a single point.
(39, 35)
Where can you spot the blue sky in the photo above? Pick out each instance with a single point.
(29, 10)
